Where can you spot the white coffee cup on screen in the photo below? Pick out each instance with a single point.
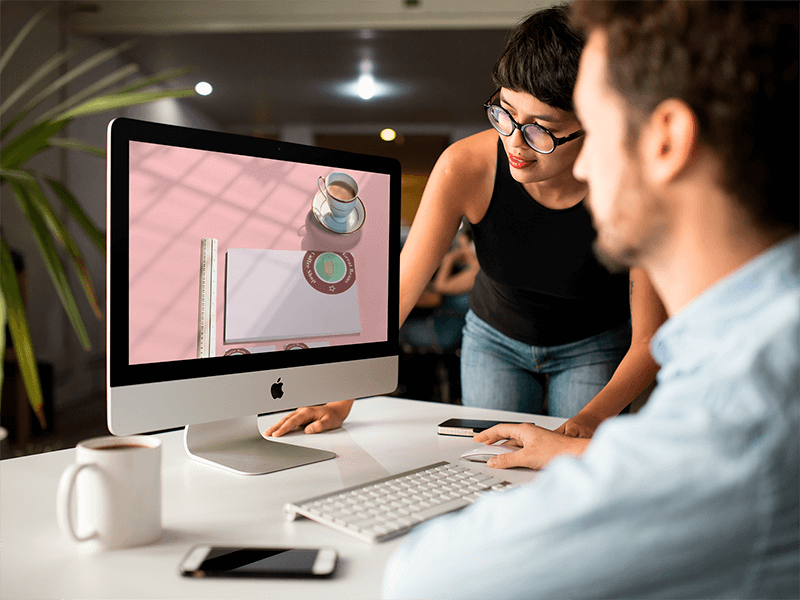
(341, 192)
(117, 483)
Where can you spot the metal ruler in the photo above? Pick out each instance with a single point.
(207, 313)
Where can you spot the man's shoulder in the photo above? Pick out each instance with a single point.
(766, 348)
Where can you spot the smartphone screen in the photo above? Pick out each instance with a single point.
(475, 424)
(258, 562)
(467, 427)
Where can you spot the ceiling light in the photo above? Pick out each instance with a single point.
(203, 88)
(352, 88)
(387, 135)
(366, 86)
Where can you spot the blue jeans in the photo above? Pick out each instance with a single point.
(500, 372)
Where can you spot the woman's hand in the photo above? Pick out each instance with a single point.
(537, 445)
(581, 425)
(315, 418)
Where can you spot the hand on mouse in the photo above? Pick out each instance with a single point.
(538, 445)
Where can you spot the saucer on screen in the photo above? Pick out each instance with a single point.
(322, 213)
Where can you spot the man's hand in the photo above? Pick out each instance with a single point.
(581, 425)
(537, 445)
(315, 419)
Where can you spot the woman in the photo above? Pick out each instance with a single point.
(549, 329)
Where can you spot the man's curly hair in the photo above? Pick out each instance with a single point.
(736, 65)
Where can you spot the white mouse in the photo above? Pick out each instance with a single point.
(484, 453)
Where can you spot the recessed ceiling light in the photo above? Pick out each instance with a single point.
(352, 88)
(366, 86)
(387, 135)
(203, 88)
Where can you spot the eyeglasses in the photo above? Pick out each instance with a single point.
(537, 137)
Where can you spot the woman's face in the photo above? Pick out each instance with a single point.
(527, 165)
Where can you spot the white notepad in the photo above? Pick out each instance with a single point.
(288, 294)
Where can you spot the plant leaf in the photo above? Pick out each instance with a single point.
(3, 323)
(97, 236)
(33, 141)
(115, 101)
(23, 33)
(15, 174)
(50, 255)
(71, 144)
(34, 78)
(58, 228)
(91, 90)
(86, 65)
(13, 122)
(20, 333)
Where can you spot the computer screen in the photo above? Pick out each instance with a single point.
(245, 276)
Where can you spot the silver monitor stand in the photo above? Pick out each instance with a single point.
(236, 445)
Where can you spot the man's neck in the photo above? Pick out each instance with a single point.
(696, 258)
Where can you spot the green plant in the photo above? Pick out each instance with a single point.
(32, 190)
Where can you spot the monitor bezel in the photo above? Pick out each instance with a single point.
(121, 132)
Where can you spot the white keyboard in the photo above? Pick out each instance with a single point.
(385, 508)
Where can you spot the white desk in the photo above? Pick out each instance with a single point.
(201, 504)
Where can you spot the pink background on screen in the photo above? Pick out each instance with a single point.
(179, 196)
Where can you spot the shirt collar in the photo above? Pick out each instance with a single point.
(716, 309)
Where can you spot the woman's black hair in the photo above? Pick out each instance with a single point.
(541, 58)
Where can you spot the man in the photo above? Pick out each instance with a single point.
(684, 105)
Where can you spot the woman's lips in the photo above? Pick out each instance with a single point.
(518, 163)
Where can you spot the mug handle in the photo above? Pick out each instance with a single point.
(64, 501)
(320, 184)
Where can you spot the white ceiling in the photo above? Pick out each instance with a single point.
(231, 16)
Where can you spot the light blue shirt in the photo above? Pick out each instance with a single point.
(695, 496)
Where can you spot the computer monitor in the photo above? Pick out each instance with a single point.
(235, 289)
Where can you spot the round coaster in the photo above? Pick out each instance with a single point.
(329, 272)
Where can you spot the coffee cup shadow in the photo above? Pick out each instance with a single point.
(317, 238)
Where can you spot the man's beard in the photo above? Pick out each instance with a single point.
(620, 257)
(618, 250)
(613, 264)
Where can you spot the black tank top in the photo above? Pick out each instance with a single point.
(539, 281)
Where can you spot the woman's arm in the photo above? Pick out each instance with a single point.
(462, 174)
(637, 369)
(459, 185)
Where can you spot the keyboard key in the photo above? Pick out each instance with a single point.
(441, 509)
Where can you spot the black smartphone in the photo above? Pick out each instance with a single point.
(224, 561)
(468, 427)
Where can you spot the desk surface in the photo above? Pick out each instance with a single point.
(201, 504)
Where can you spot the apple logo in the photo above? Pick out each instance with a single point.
(277, 389)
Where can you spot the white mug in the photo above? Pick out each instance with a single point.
(341, 192)
(118, 482)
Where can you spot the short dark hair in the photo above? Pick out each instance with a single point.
(735, 64)
(541, 58)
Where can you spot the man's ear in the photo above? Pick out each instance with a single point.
(668, 141)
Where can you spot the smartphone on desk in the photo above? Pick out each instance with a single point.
(225, 561)
(468, 427)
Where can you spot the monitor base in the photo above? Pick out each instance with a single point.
(237, 446)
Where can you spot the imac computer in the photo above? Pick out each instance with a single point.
(245, 276)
